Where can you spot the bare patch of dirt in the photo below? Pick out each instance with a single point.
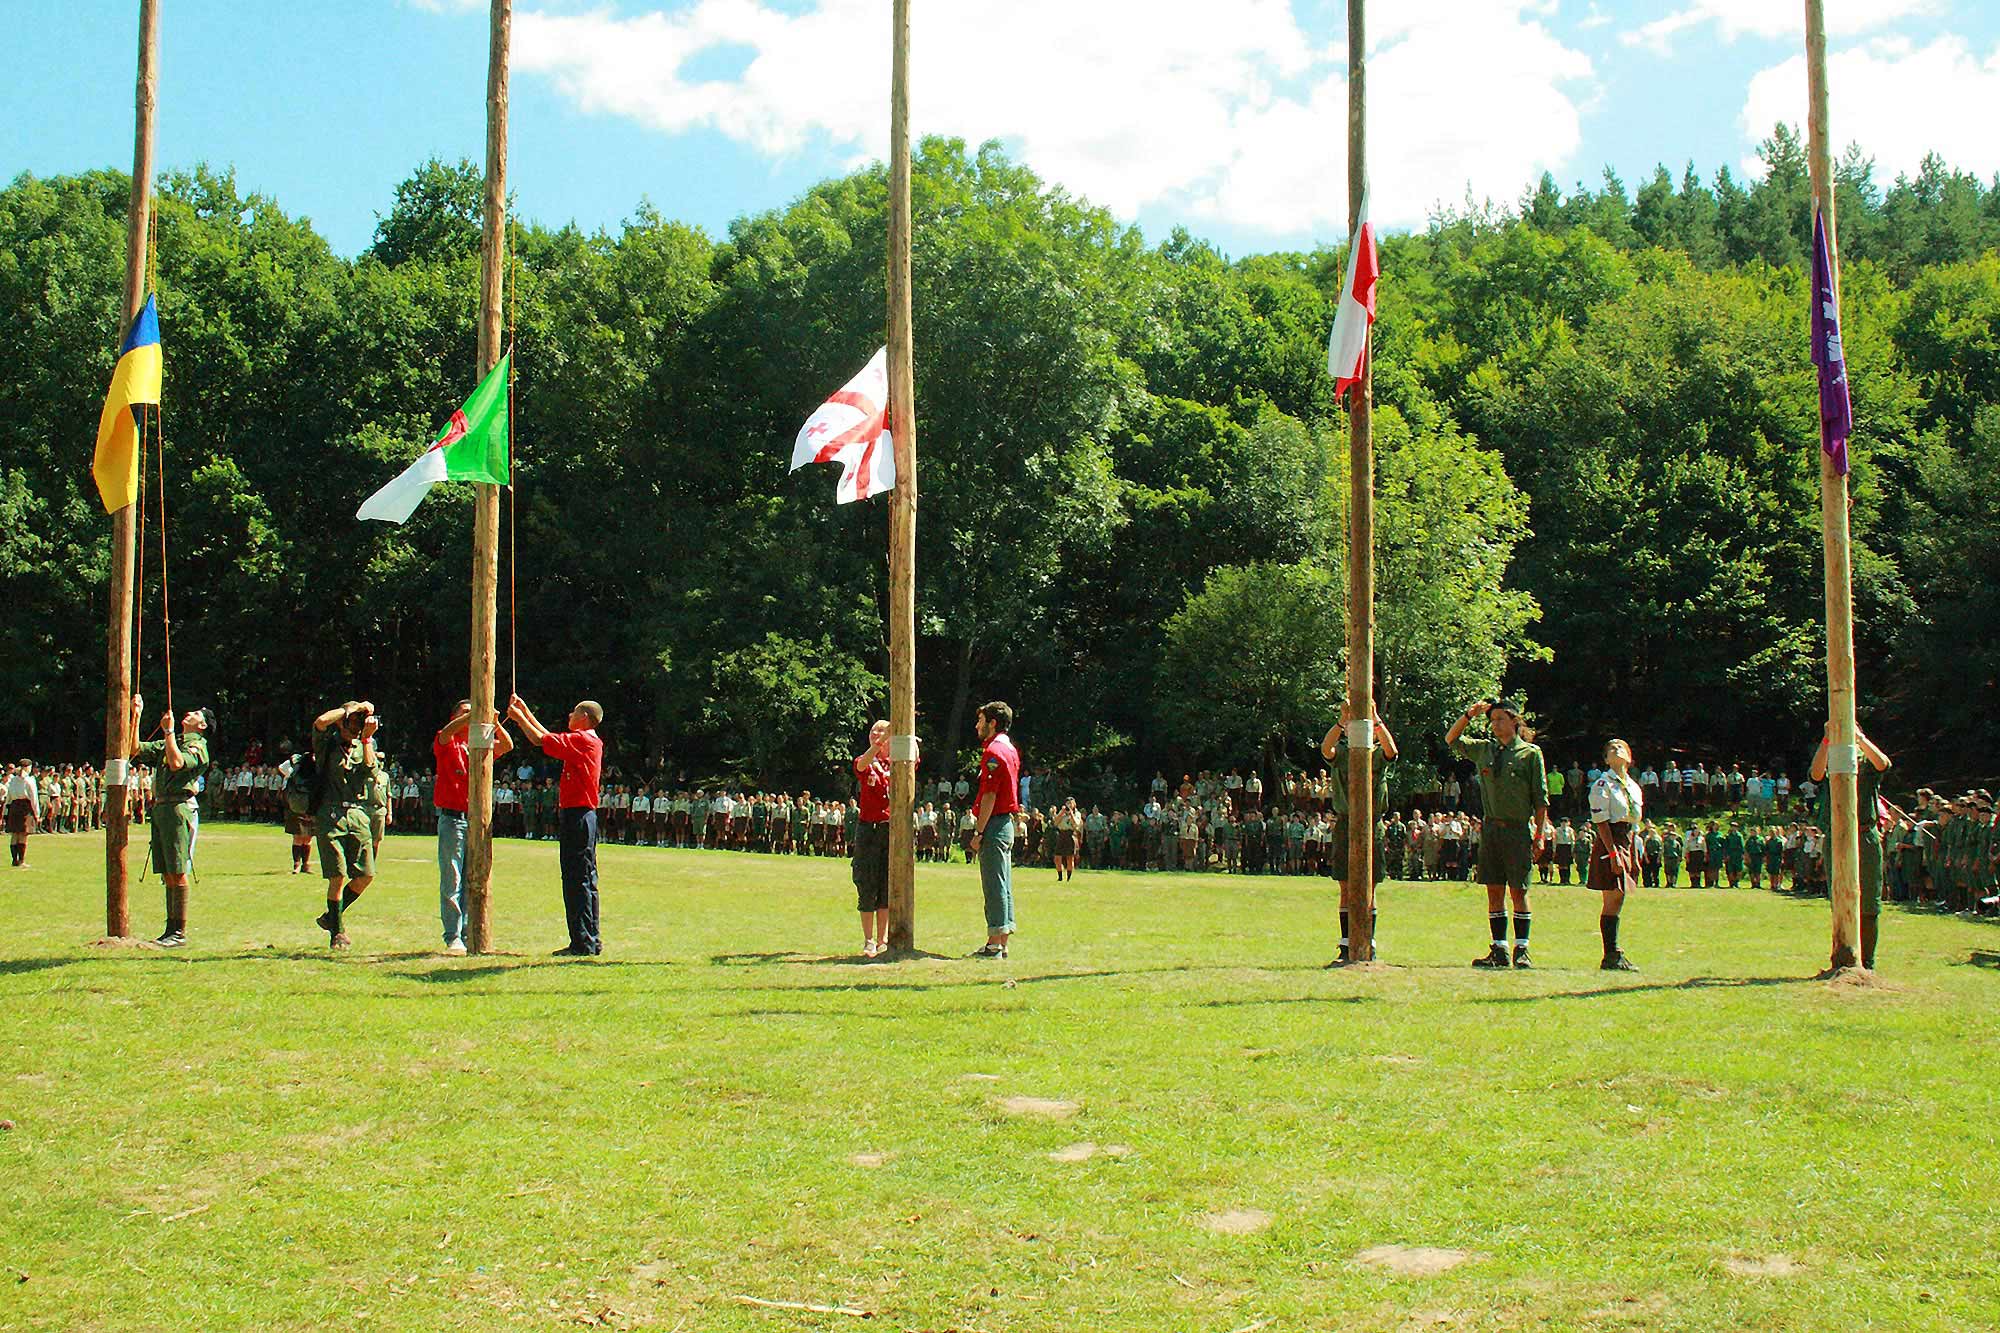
(1238, 1222)
(1771, 1265)
(1076, 1152)
(871, 1159)
(1414, 1260)
(1041, 1108)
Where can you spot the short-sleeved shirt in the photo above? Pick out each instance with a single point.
(1000, 774)
(1615, 800)
(344, 768)
(1512, 777)
(171, 786)
(1337, 776)
(453, 757)
(582, 755)
(872, 773)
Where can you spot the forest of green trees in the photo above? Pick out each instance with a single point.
(1596, 429)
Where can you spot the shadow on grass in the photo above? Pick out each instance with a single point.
(1284, 999)
(1692, 983)
(10, 967)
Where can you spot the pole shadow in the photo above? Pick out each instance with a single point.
(1692, 983)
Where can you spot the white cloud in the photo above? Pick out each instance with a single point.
(1229, 111)
(1773, 18)
(1896, 99)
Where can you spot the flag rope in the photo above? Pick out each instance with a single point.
(513, 463)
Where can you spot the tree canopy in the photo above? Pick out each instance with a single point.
(1596, 468)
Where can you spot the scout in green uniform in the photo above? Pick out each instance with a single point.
(1335, 749)
(1732, 854)
(378, 809)
(1774, 858)
(1513, 791)
(1868, 782)
(1753, 857)
(179, 763)
(1671, 848)
(344, 752)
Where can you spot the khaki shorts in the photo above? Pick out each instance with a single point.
(173, 839)
(1505, 851)
(346, 850)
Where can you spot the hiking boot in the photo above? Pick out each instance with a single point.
(325, 921)
(989, 951)
(171, 939)
(1617, 962)
(1343, 958)
(339, 941)
(1521, 959)
(1495, 957)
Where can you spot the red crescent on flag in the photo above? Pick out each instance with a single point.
(454, 432)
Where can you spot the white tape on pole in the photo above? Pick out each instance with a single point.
(115, 772)
(1843, 759)
(479, 735)
(903, 749)
(1361, 734)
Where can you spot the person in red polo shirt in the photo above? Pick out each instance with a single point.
(452, 754)
(993, 824)
(871, 842)
(582, 755)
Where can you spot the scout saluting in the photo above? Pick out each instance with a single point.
(1514, 796)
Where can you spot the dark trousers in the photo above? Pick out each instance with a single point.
(579, 877)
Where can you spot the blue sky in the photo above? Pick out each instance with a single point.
(1227, 118)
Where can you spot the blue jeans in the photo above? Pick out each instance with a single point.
(996, 872)
(578, 855)
(451, 874)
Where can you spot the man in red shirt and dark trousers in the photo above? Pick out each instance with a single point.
(993, 824)
(453, 756)
(871, 842)
(582, 755)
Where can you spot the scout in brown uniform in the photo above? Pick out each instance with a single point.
(1514, 796)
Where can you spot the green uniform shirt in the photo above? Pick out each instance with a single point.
(1732, 849)
(171, 786)
(1337, 775)
(1867, 783)
(378, 789)
(1513, 778)
(1671, 847)
(344, 768)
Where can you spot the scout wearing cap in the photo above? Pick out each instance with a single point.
(1513, 790)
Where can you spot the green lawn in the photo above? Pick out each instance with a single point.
(250, 1134)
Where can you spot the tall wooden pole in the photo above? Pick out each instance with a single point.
(1358, 893)
(486, 512)
(118, 639)
(1844, 848)
(902, 511)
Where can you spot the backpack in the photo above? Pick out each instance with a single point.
(304, 786)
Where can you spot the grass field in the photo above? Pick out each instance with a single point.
(251, 1134)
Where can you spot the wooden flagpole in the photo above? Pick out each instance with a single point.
(486, 513)
(1844, 848)
(1358, 892)
(902, 510)
(118, 640)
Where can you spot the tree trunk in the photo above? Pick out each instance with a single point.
(961, 691)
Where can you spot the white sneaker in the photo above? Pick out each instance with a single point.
(456, 949)
(869, 948)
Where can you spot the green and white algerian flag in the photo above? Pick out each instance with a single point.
(471, 447)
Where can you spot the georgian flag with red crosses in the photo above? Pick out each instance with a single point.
(851, 429)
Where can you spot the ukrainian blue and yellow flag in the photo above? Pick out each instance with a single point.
(136, 381)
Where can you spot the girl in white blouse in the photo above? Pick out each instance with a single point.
(1617, 807)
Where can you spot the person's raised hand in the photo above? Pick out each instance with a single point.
(370, 727)
(1481, 708)
(167, 721)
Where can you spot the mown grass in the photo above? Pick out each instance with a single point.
(252, 1134)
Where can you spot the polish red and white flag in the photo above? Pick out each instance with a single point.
(851, 429)
(1347, 349)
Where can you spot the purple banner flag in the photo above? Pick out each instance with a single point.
(1836, 413)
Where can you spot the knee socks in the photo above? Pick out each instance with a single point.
(1607, 926)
